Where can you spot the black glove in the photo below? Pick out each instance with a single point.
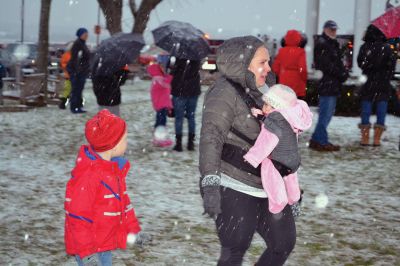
(210, 190)
(143, 239)
(140, 239)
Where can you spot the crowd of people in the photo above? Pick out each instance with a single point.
(248, 151)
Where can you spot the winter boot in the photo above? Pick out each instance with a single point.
(378, 130)
(364, 134)
(63, 103)
(190, 145)
(178, 143)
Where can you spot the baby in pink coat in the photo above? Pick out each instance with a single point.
(276, 147)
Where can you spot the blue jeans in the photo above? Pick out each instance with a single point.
(327, 106)
(161, 117)
(77, 83)
(185, 107)
(366, 110)
(104, 257)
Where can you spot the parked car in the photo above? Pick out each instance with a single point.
(210, 64)
(8, 60)
(29, 64)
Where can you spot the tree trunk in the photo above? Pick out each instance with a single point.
(142, 15)
(43, 48)
(112, 10)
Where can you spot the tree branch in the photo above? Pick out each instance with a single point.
(132, 5)
(143, 15)
(112, 10)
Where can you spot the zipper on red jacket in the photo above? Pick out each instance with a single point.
(121, 203)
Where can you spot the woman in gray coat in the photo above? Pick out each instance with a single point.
(231, 189)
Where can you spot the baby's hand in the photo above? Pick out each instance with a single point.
(256, 112)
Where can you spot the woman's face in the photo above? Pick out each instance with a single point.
(259, 65)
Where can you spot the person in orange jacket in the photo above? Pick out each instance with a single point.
(290, 64)
(67, 83)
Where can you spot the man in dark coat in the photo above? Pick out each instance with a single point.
(231, 189)
(78, 69)
(378, 61)
(185, 89)
(328, 59)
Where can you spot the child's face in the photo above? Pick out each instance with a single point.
(267, 108)
(120, 149)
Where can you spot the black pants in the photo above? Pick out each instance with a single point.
(243, 215)
(78, 84)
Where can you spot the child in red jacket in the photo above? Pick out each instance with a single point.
(99, 214)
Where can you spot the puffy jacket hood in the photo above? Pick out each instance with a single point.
(234, 57)
(299, 116)
(155, 70)
(373, 34)
(292, 38)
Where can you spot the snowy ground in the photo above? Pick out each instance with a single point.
(351, 205)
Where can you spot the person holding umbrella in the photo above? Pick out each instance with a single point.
(78, 69)
(377, 61)
(185, 89)
(187, 47)
(109, 70)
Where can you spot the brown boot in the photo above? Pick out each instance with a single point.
(378, 130)
(364, 134)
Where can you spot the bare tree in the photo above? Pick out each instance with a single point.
(142, 15)
(112, 10)
(43, 48)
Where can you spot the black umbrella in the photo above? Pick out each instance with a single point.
(115, 52)
(181, 40)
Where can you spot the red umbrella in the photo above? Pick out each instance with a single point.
(389, 23)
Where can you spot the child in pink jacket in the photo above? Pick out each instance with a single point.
(276, 147)
(161, 99)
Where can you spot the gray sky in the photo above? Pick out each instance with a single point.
(219, 18)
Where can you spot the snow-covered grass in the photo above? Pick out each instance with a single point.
(351, 202)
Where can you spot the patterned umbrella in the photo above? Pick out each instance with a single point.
(389, 23)
(181, 40)
(115, 52)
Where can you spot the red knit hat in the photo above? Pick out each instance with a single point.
(104, 130)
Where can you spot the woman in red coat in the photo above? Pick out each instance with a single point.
(290, 64)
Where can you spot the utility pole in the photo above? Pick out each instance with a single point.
(98, 23)
(22, 19)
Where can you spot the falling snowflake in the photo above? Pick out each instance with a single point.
(321, 201)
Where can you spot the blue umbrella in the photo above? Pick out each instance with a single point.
(181, 40)
(115, 52)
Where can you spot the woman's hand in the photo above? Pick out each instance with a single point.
(210, 191)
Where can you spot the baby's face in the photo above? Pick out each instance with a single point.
(267, 108)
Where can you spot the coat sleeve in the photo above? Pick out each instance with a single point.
(276, 66)
(218, 116)
(80, 214)
(303, 66)
(73, 61)
(132, 222)
(265, 144)
(323, 61)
